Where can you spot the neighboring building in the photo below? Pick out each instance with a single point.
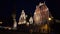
(22, 19)
(31, 20)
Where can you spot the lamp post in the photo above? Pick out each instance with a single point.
(15, 23)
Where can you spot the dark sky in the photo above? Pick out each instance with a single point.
(7, 7)
(30, 5)
(11, 6)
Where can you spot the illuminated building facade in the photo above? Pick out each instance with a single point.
(42, 18)
(41, 14)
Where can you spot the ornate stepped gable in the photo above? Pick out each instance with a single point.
(41, 14)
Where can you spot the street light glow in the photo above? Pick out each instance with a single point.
(0, 22)
(50, 19)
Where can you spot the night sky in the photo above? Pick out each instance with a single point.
(16, 6)
(30, 5)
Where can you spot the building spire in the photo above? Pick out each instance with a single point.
(22, 19)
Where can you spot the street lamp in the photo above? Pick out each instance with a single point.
(49, 19)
